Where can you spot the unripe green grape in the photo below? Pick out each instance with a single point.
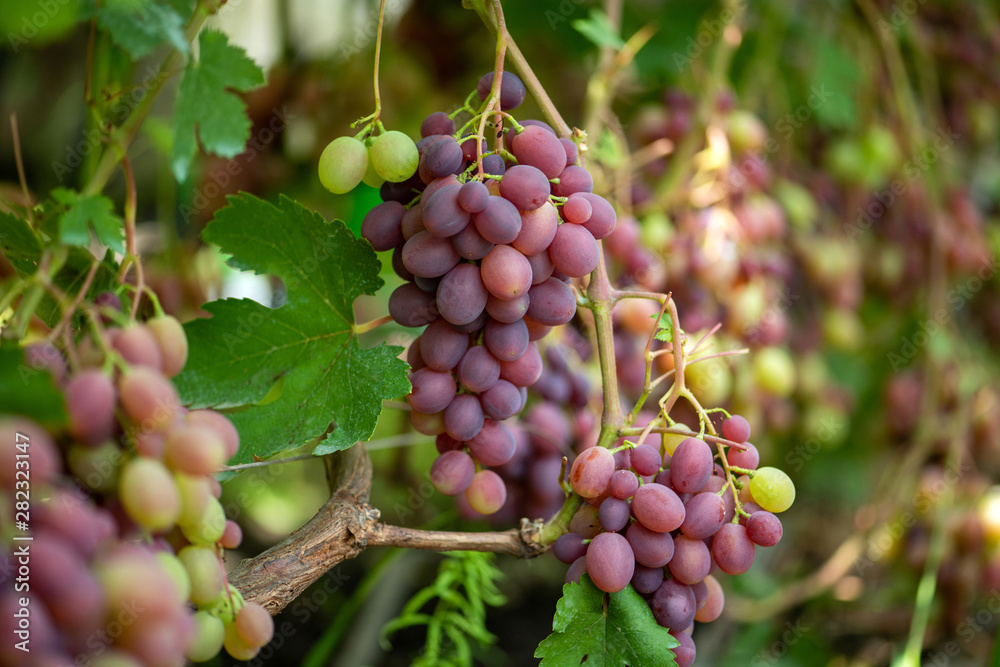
(772, 489)
(371, 178)
(195, 492)
(207, 529)
(205, 573)
(238, 647)
(98, 467)
(148, 493)
(209, 633)
(175, 569)
(226, 605)
(343, 164)
(774, 371)
(394, 156)
(115, 658)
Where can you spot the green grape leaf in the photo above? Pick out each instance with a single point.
(138, 26)
(30, 392)
(206, 107)
(598, 29)
(303, 356)
(95, 211)
(597, 630)
(19, 244)
(664, 328)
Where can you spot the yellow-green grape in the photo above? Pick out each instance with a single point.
(343, 164)
(206, 529)
(115, 658)
(774, 371)
(772, 489)
(372, 179)
(394, 156)
(148, 493)
(209, 633)
(96, 467)
(238, 647)
(671, 440)
(205, 572)
(175, 569)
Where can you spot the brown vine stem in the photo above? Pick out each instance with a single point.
(346, 525)
(531, 81)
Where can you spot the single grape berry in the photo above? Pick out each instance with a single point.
(343, 164)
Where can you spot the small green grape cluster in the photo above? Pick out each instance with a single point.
(347, 161)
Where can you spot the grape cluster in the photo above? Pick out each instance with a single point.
(488, 242)
(126, 561)
(665, 521)
(556, 423)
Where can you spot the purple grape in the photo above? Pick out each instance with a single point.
(704, 515)
(536, 147)
(764, 529)
(623, 484)
(569, 547)
(381, 226)
(658, 508)
(526, 187)
(613, 514)
(736, 428)
(441, 347)
(463, 418)
(748, 458)
(501, 401)
(591, 472)
(461, 295)
(498, 221)
(732, 550)
(673, 605)
(452, 472)
(651, 549)
(469, 244)
(478, 370)
(647, 579)
(610, 562)
(574, 250)
(690, 465)
(552, 303)
(429, 256)
(433, 391)
(646, 460)
(512, 90)
(410, 306)
(691, 562)
(507, 342)
(494, 445)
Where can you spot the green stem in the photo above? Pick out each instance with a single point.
(559, 524)
(123, 137)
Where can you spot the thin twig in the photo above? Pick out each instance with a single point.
(19, 161)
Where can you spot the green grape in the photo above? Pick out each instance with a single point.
(343, 164)
(195, 492)
(226, 605)
(209, 633)
(205, 572)
(774, 371)
(772, 489)
(372, 179)
(96, 467)
(175, 569)
(206, 529)
(149, 495)
(394, 156)
(115, 658)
